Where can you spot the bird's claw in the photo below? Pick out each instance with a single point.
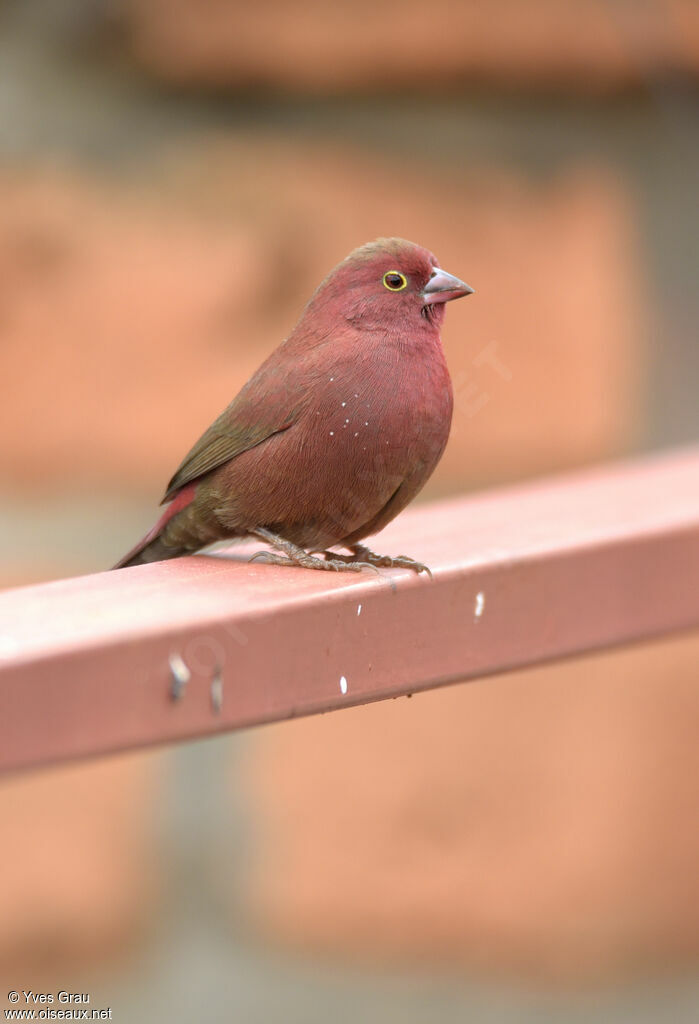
(405, 562)
(269, 558)
(364, 557)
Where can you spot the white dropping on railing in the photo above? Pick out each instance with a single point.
(216, 691)
(180, 675)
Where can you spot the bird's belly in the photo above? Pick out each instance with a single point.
(338, 466)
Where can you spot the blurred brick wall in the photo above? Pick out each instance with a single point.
(588, 45)
(79, 865)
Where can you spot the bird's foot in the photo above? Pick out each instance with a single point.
(364, 556)
(294, 555)
(307, 561)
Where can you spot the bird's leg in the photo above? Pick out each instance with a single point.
(294, 555)
(364, 556)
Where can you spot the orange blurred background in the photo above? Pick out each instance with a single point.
(175, 179)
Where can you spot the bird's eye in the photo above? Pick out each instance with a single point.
(394, 281)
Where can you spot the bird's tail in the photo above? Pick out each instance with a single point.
(175, 534)
(150, 551)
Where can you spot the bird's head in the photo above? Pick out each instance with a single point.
(389, 281)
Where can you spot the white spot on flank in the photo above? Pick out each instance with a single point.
(480, 604)
(332, 433)
(356, 395)
(356, 435)
(344, 404)
(366, 423)
(343, 685)
(359, 609)
(332, 378)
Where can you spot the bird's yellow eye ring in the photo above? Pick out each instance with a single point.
(394, 281)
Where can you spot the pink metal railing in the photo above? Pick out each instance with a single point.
(199, 645)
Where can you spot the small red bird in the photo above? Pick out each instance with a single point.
(338, 429)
